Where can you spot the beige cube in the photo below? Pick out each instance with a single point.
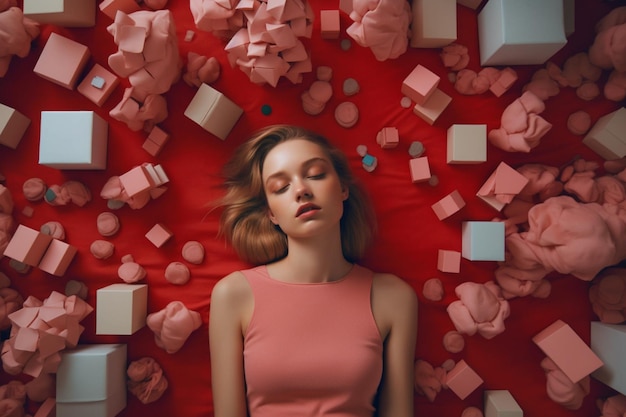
(121, 309)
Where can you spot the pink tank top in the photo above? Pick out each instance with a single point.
(312, 349)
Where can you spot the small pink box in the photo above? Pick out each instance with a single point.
(568, 351)
(420, 84)
(62, 61)
(388, 138)
(158, 235)
(420, 169)
(136, 181)
(448, 205)
(27, 245)
(463, 380)
(57, 258)
(330, 24)
(155, 141)
(449, 261)
(98, 84)
(430, 110)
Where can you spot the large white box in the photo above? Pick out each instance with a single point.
(73, 140)
(482, 240)
(608, 341)
(13, 125)
(466, 144)
(607, 137)
(212, 110)
(520, 32)
(66, 13)
(434, 23)
(121, 309)
(91, 381)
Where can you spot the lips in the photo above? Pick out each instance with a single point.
(305, 208)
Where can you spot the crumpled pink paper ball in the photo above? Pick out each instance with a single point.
(433, 289)
(40, 388)
(455, 56)
(381, 25)
(614, 406)
(146, 380)
(608, 295)
(221, 18)
(201, 69)
(173, 325)
(16, 34)
(480, 309)
(561, 389)
(609, 46)
(521, 126)
(71, 191)
(429, 381)
(542, 84)
(10, 301)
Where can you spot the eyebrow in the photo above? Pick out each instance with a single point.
(305, 164)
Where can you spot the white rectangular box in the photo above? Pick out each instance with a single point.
(608, 341)
(73, 140)
(434, 23)
(121, 309)
(66, 13)
(91, 381)
(514, 32)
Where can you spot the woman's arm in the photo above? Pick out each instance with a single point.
(231, 299)
(395, 307)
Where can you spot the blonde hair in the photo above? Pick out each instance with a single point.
(244, 220)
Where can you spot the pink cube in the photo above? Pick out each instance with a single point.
(57, 258)
(27, 245)
(155, 141)
(98, 84)
(420, 169)
(433, 107)
(420, 84)
(507, 78)
(448, 205)
(463, 380)
(136, 181)
(62, 61)
(449, 261)
(13, 125)
(158, 235)
(110, 7)
(388, 137)
(568, 351)
(330, 24)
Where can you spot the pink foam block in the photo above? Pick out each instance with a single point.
(430, 110)
(568, 351)
(158, 235)
(388, 137)
(98, 84)
(330, 24)
(449, 261)
(420, 169)
(463, 380)
(136, 181)
(62, 61)
(27, 245)
(57, 258)
(448, 205)
(155, 141)
(420, 84)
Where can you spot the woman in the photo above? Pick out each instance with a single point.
(307, 332)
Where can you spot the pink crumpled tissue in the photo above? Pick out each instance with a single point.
(16, 34)
(173, 325)
(608, 295)
(561, 389)
(146, 380)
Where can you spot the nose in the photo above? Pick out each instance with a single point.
(303, 192)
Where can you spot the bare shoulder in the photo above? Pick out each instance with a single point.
(391, 287)
(233, 290)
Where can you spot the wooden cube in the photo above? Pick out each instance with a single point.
(449, 261)
(57, 258)
(121, 309)
(466, 144)
(500, 403)
(420, 84)
(27, 245)
(420, 169)
(463, 380)
(212, 110)
(98, 84)
(73, 140)
(434, 23)
(433, 107)
(66, 13)
(512, 32)
(62, 61)
(13, 125)
(567, 350)
(448, 205)
(607, 137)
(482, 241)
(608, 341)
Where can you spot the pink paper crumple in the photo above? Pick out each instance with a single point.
(429, 381)
(455, 56)
(608, 51)
(10, 301)
(201, 69)
(561, 389)
(40, 330)
(521, 126)
(70, 191)
(480, 309)
(381, 25)
(173, 325)
(146, 380)
(16, 34)
(608, 295)
(140, 113)
(12, 399)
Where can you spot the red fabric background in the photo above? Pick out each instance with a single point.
(409, 232)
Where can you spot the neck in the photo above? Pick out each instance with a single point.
(312, 260)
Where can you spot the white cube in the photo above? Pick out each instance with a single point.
(13, 124)
(121, 309)
(607, 137)
(434, 23)
(73, 140)
(66, 13)
(91, 381)
(482, 241)
(500, 403)
(467, 144)
(608, 341)
(212, 110)
(514, 32)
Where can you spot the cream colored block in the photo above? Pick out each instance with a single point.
(466, 144)
(607, 137)
(121, 309)
(434, 23)
(66, 13)
(212, 110)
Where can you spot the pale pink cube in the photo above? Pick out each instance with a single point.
(430, 110)
(388, 138)
(27, 245)
(92, 90)
(330, 24)
(449, 261)
(507, 78)
(420, 169)
(420, 84)
(448, 205)
(158, 235)
(62, 61)
(136, 181)
(463, 380)
(57, 258)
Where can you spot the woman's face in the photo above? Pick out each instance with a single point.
(304, 192)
